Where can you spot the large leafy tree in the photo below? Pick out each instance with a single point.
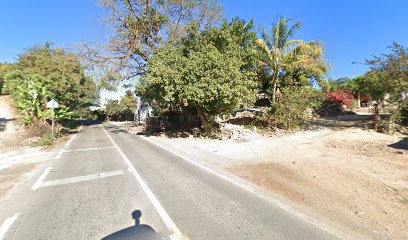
(30, 92)
(61, 73)
(207, 74)
(289, 59)
(140, 27)
(388, 75)
(390, 70)
(4, 69)
(129, 105)
(123, 110)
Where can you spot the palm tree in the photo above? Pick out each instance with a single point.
(281, 54)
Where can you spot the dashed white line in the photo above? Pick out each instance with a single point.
(81, 178)
(7, 224)
(39, 181)
(88, 149)
(159, 208)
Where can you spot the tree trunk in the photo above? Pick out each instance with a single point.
(181, 104)
(275, 84)
(377, 116)
(358, 99)
(203, 118)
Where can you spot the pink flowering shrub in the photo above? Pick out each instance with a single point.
(340, 97)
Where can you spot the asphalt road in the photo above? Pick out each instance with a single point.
(106, 182)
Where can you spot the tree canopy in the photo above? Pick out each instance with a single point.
(4, 69)
(140, 27)
(389, 74)
(284, 58)
(122, 110)
(61, 73)
(43, 73)
(205, 74)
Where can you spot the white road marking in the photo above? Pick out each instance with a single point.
(7, 224)
(159, 208)
(59, 154)
(70, 140)
(276, 202)
(88, 149)
(67, 144)
(244, 186)
(81, 178)
(41, 179)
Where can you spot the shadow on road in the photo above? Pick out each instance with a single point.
(3, 123)
(402, 144)
(136, 232)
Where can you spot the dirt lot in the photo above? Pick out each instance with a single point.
(357, 178)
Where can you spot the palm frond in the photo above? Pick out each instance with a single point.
(292, 44)
(267, 38)
(294, 28)
(264, 48)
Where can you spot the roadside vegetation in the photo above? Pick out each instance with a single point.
(122, 110)
(43, 73)
(209, 68)
(186, 60)
(203, 75)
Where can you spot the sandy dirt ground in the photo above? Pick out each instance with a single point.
(11, 176)
(17, 160)
(11, 133)
(353, 177)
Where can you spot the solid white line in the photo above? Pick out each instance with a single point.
(241, 185)
(88, 149)
(7, 224)
(41, 179)
(81, 178)
(159, 208)
(248, 188)
(59, 154)
(70, 140)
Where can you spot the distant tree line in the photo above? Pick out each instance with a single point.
(123, 110)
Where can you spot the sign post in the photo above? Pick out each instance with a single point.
(52, 104)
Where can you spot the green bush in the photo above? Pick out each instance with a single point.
(46, 140)
(354, 105)
(296, 107)
(403, 113)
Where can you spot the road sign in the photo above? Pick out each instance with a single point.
(52, 104)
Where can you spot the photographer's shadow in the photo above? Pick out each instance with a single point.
(136, 232)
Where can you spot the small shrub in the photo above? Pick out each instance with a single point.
(46, 140)
(340, 97)
(354, 105)
(403, 113)
(295, 107)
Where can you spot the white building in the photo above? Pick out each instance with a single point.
(144, 111)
